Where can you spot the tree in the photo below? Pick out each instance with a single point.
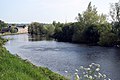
(50, 29)
(78, 33)
(90, 17)
(54, 23)
(36, 28)
(88, 29)
(58, 35)
(13, 30)
(58, 27)
(2, 24)
(91, 34)
(115, 15)
(115, 12)
(107, 39)
(64, 32)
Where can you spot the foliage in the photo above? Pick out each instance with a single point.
(54, 23)
(91, 34)
(64, 32)
(107, 39)
(88, 30)
(90, 17)
(2, 24)
(36, 28)
(115, 15)
(2, 41)
(91, 28)
(13, 30)
(49, 29)
(41, 29)
(78, 33)
(115, 12)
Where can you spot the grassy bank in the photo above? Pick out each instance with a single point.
(14, 68)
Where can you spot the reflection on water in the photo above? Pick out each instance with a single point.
(38, 38)
(60, 56)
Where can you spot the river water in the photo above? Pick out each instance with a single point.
(62, 56)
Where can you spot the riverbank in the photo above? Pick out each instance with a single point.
(8, 33)
(14, 68)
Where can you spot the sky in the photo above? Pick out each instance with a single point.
(47, 11)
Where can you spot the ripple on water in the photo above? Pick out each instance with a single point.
(60, 56)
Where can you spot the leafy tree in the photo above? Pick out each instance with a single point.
(88, 30)
(78, 33)
(13, 30)
(115, 12)
(54, 23)
(104, 27)
(58, 32)
(49, 29)
(115, 15)
(67, 32)
(107, 39)
(64, 32)
(91, 34)
(37, 28)
(58, 27)
(2, 24)
(32, 28)
(90, 17)
(102, 19)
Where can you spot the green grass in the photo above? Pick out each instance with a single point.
(14, 68)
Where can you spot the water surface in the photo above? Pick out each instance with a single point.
(61, 56)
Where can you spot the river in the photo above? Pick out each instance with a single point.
(62, 56)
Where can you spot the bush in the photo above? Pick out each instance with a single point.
(13, 30)
(2, 41)
(91, 34)
(107, 39)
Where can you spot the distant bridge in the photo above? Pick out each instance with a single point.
(23, 29)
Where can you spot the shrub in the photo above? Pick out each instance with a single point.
(107, 39)
(13, 30)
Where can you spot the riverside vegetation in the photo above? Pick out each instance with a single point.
(91, 28)
(14, 68)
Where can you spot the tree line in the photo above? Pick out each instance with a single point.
(90, 28)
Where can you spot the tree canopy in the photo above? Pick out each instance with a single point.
(90, 28)
(2, 24)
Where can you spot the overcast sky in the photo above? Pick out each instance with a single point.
(45, 11)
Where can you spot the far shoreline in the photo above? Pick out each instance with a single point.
(4, 34)
(115, 46)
